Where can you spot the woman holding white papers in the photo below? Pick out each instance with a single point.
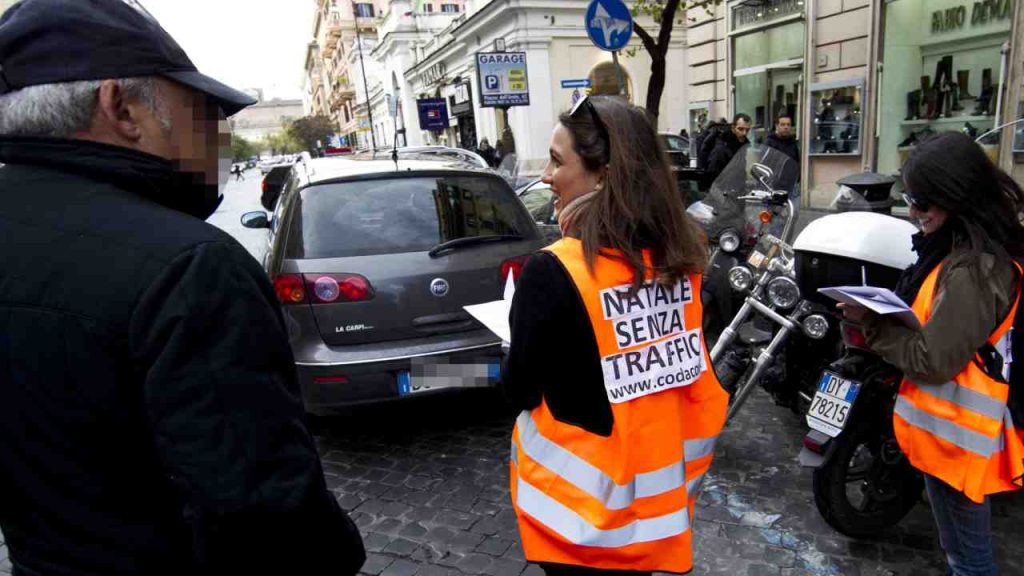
(953, 414)
(607, 360)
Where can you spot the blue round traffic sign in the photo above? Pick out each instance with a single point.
(609, 24)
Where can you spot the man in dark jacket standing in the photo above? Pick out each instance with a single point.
(727, 145)
(149, 408)
(783, 139)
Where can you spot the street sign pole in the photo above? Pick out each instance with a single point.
(609, 25)
(618, 72)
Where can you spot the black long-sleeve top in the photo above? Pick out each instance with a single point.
(553, 354)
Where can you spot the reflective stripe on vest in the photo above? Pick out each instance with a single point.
(623, 501)
(961, 432)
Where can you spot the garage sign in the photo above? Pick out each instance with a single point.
(503, 79)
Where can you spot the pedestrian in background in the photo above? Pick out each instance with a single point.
(149, 408)
(727, 145)
(609, 451)
(953, 417)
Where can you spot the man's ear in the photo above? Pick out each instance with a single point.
(117, 115)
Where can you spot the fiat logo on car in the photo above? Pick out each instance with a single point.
(439, 287)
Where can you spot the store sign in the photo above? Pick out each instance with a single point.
(433, 113)
(462, 100)
(980, 14)
(435, 73)
(503, 79)
(755, 13)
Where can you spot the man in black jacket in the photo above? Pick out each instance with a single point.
(727, 144)
(149, 409)
(783, 139)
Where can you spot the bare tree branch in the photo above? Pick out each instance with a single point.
(645, 37)
(668, 21)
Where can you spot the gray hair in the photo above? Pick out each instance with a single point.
(60, 110)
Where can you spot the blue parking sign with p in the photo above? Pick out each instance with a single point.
(492, 82)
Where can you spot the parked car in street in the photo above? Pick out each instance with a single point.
(373, 262)
(429, 152)
(678, 149)
(273, 183)
(540, 203)
(268, 163)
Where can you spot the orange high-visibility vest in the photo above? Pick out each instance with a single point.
(626, 501)
(961, 432)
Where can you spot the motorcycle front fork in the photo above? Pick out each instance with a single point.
(786, 327)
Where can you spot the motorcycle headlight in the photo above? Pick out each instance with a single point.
(815, 326)
(783, 292)
(740, 278)
(729, 241)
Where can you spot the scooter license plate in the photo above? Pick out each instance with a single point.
(830, 407)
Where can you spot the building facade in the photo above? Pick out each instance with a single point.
(263, 119)
(343, 31)
(863, 80)
(560, 60)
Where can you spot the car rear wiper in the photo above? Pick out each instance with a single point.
(471, 241)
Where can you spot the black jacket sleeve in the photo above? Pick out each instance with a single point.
(553, 353)
(222, 398)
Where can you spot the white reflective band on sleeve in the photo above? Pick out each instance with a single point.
(698, 448)
(693, 485)
(964, 438)
(965, 398)
(574, 528)
(588, 477)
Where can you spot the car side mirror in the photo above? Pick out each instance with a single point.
(257, 219)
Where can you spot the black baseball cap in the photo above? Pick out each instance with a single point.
(53, 41)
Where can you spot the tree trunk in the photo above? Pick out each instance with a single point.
(655, 87)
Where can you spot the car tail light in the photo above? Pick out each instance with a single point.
(289, 289)
(513, 266)
(332, 288)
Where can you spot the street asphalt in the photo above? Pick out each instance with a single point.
(426, 481)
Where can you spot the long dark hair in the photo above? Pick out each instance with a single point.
(983, 203)
(639, 205)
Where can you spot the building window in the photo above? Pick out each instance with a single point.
(428, 8)
(450, 8)
(364, 10)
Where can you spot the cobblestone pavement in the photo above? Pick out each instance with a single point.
(427, 484)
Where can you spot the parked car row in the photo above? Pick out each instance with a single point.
(373, 256)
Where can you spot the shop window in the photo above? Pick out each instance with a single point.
(450, 8)
(941, 67)
(767, 72)
(835, 118)
(364, 10)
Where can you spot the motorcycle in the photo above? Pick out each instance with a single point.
(739, 209)
(862, 482)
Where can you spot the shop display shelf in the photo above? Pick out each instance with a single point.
(952, 120)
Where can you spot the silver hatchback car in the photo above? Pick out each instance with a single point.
(373, 261)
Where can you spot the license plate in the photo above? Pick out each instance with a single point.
(830, 407)
(427, 375)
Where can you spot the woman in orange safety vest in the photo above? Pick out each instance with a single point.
(952, 418)
(621, 409)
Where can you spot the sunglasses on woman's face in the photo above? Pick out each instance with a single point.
(587, 104)
(922, 205)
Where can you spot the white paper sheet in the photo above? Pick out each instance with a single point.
(878, 300)
(494, 315)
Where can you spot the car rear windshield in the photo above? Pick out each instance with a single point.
(405, 214)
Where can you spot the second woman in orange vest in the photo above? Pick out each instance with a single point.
(620, 407)
(951, 417)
